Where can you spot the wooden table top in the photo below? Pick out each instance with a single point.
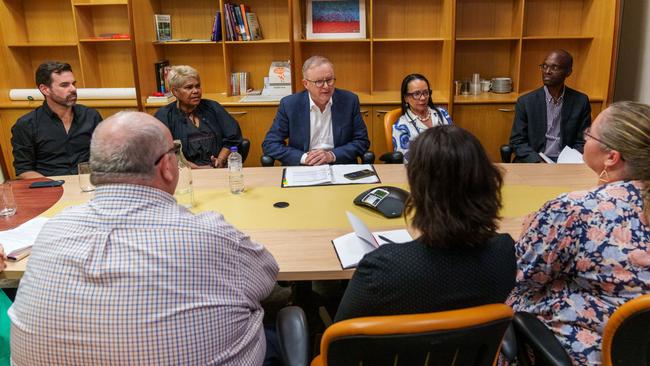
(300, 236)
(30, 202)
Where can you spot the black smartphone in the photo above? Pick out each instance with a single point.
(47, 183)
(359, 174)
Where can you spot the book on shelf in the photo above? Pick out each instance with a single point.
(216, 28)
(162, 70)
(254, 26)
(239, 83)
(161, 98)
(240, 24)
(163, 26)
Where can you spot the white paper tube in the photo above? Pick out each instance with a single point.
(82, 93)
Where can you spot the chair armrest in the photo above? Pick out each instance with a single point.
(293, 335)
(368, 157)
(394, 157)
(244, 148)
(541, 339)
(267, 160)
(506, 153)
(509, 344)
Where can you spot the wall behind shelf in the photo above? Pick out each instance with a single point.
(633, 72)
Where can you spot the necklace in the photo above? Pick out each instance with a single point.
(423, 119)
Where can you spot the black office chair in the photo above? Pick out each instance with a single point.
(468, 336)
(243, 148)
(367, 158)
(626, 338)
(506, 153)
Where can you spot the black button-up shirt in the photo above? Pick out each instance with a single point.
(41, 144)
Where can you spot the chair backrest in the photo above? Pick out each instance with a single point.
(626, 339)
(389, 120)
(470, 336)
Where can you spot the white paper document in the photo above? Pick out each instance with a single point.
(18, 241)
(568, 155)
(301, 176)
(351, 247)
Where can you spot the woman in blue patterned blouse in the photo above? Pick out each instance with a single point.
(586, 253)
(418, 113)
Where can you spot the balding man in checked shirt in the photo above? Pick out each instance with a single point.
(132, 278)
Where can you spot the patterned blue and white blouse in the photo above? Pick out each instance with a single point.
(409, 126)
(580, 257)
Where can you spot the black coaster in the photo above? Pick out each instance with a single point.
(281, 204)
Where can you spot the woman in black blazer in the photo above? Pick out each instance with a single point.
(457, 259)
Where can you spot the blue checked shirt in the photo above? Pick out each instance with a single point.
(132, 278)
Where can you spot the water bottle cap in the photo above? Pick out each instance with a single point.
(233, 149)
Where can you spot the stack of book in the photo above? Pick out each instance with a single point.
(241, 24)
(162, 70)
(239, 83)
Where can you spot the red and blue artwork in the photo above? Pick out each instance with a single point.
(338, 16)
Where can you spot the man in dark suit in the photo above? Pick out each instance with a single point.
(323, 124)
(551, 117)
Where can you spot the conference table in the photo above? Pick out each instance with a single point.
(299, 236)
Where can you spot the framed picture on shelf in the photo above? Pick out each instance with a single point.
(336, 19)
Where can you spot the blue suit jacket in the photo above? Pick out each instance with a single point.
(292, 122)
(528, 135)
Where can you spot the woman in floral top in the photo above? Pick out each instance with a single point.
(586, 253)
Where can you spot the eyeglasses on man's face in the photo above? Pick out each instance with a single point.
(175, 149)
(553, 68)
(420, 94)
(321, 83)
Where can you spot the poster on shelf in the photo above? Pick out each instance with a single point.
(336, 19)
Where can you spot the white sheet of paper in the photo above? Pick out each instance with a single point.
(351, 247)
(23, 236)
(569, 156)
(325, 174)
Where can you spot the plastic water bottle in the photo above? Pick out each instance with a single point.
(236, 174)
(184, 191)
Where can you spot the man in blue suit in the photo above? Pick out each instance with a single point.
(322, 124)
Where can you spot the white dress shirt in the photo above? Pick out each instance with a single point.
(320, 128)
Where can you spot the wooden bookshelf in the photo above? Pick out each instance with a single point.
(445, 40)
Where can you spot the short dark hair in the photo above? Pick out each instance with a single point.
(566, 56)
(45, 70)
(405, 88)
(455, 189)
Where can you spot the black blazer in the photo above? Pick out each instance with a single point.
(413, 278)
(528, 136)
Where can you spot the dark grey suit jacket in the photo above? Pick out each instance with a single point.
(528, 136)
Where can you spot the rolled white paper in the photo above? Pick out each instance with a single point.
(82, 93)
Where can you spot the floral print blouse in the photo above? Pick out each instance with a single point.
(581, 257)
(409, 126)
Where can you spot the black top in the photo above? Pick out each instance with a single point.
(213, 116)
(41, 144)
(413, 278)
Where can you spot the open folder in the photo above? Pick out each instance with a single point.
(350, 248)
(305, 176)
(18, 242)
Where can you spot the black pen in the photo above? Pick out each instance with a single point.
(386, 239)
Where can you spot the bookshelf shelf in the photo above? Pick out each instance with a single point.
(104, 40)
(445, 40)
(42, 44)
(432, 39)
(486, 39)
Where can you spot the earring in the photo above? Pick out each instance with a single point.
(604, 176)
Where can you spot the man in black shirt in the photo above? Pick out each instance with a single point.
(55, 137)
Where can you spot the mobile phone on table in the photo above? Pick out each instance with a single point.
(47, 183)
(359, 174)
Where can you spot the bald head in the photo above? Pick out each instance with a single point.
(125, 146)
(564, 56)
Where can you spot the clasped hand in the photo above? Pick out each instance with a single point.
(319, 157)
